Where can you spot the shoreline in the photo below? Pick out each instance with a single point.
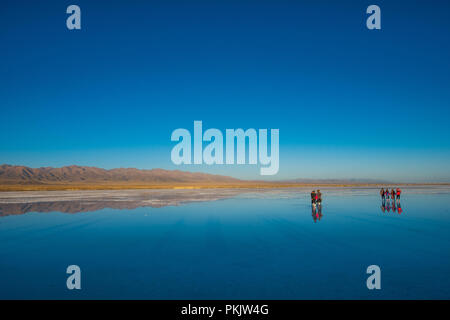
(80, 187)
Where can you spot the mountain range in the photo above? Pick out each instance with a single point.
(14, 177)
(91, 175)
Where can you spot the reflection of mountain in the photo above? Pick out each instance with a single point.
(68, 206)
(15, 203)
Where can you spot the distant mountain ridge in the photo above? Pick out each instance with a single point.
(337, 181)
(74, 175)
(10, 174)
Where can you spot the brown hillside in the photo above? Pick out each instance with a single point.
(91, 175)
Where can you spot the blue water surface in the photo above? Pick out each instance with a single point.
(251, 246)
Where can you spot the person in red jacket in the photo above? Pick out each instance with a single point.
(313, 197)
(319, 197)
(398, 193)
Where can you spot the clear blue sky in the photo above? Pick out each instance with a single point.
(349, 102)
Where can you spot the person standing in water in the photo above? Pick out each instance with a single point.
(386, 193)
(398, 191)
(382, 194)
(319, 197)
(313, 197)
(393, 194)
(398, 194)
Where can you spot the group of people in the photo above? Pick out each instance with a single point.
(386, 194)
(393, 195)
(386, 197)
(316, 197)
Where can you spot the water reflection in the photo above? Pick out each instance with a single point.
(316, 211)
(16, 203)
(388, 205)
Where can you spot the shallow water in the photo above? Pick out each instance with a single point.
(224, 244)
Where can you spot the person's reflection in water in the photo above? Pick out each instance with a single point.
(399, 208)
(399, 192)
(383, 206)
(393, 206)
(314, 212)
(388, 204)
